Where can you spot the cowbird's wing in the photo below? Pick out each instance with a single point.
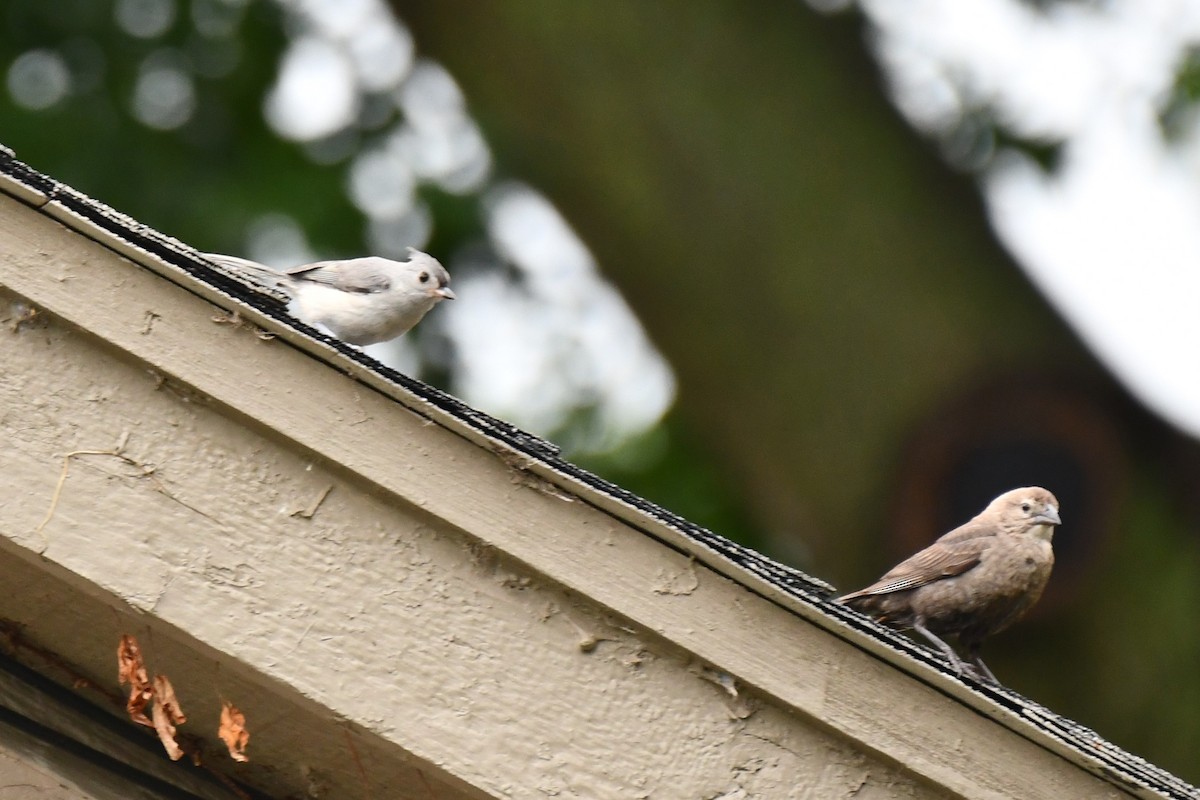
(357, 275)
(942, 559)
(982, 526)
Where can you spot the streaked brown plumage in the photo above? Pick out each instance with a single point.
(975, 581)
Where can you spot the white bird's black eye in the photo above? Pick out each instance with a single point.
(1025, 507)
(423, 277)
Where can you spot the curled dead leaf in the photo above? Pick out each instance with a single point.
(131, 669)
(233, 731)
(167, 714)
(129, 659)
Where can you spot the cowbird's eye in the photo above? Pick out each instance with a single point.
(1025, 507)
(423, 277)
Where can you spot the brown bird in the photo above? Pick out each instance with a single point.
(975, 581)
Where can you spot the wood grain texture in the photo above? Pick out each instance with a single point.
(474, 629)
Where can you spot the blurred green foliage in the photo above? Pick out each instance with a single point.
(201, 183)
(1179, 111)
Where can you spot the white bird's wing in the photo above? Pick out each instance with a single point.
(357, 276)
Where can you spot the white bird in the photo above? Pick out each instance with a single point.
(361, 300)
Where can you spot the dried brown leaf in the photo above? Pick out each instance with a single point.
(131, 669)
(129, 660)
(167, 714)
(233, 731)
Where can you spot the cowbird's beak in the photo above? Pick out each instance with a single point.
(1049, 516)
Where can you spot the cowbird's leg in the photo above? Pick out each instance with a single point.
(955, 661)
(980, 667)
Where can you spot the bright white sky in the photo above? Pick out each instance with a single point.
(1113, 237)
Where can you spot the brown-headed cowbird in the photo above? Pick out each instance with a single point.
(975, 581)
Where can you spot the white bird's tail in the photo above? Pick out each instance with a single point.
(259, 275)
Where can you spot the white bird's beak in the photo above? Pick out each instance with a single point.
(443, 292)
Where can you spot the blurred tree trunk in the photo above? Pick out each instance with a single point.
(817, 278)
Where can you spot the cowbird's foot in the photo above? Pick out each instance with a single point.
(981, 670)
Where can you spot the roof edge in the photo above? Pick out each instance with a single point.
(806, 596)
